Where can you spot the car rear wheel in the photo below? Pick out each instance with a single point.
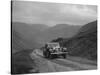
(51, 56)
(44, 54)
(47, 54)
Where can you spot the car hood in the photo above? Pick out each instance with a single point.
(56, 47)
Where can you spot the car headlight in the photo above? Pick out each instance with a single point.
(54, 48)
(64, 49)
(50, 49)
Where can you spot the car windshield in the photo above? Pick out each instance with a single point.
(53, 45)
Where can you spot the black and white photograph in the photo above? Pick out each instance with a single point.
(49, 37)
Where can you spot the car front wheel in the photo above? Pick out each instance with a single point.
(64, 55)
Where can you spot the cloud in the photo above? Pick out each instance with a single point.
(53, 13)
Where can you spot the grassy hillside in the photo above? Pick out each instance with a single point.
(83, 44)
(20, 43)
(28, 32)
(22, 63)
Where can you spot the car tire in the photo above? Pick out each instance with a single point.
(51, 56)
(47, 54)
(44, 54)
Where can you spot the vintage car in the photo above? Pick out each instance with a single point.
(53, 49)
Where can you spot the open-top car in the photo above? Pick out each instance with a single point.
(53, 49)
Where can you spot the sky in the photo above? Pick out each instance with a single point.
(52, 14)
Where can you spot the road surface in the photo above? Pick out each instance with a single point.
(60, 65)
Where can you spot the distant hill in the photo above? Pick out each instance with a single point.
(19, 43)
(88, 28)
(27, 33)
(22, 46)
(60, 30)
(42, 33)
(84, 44)
(23, 35)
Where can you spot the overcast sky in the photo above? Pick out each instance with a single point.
(52, 13)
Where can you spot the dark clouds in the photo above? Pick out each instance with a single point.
(52, 13)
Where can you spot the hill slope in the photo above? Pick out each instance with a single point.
(26, 33)
(60, 30)
(19, 43)
(84, 44)
(42, 33)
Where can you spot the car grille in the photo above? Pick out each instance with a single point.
(57, 50)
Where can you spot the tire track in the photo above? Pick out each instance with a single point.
(45, 65)
(76, 65)
(60, 65)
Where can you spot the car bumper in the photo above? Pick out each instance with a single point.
(60, 53)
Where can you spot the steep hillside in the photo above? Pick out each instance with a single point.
(21, 48)
(19, 43)
(22, 63)
(84, 44)
(89, 28)
(27, 33)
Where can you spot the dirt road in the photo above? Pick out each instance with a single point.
(59, 65)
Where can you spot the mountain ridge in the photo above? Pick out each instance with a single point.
(60, 30)
(84, 44)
